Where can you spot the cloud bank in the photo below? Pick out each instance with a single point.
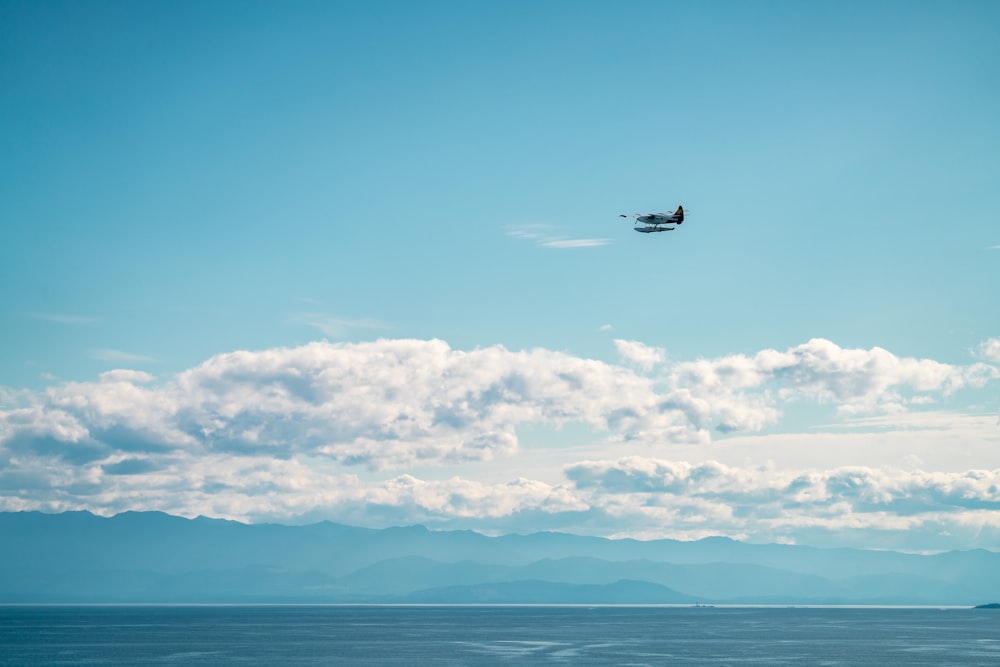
(287, 432)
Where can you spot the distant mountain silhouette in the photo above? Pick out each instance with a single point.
(533, 591)
(155, 557)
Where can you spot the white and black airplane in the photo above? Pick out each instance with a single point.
(655, 222)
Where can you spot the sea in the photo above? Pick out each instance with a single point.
(496, 635)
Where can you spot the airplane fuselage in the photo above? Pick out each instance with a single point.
(657, 219)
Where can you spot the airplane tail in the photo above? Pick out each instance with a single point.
(680, 214)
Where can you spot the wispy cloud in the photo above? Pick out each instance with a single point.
(550, 236)
(574, 243)
(63, 318)
(336, 327)
(119, 356)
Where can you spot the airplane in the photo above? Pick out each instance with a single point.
(653, 221)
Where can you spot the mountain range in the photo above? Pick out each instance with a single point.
(151, 557)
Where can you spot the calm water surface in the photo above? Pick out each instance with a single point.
(366, 635)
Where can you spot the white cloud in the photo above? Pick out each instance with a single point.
(391, 403)
(640, 354)
(273, 433)
(765, 504)
(127, 376)
(630, 497)
(856, 380)
(384, 404)
(990, 350)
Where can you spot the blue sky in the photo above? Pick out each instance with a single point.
(424, 196)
